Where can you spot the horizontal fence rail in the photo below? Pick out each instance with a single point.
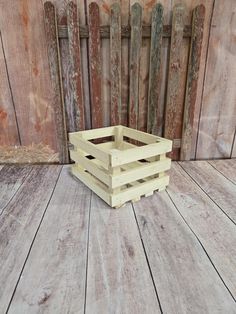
(125, 31)
(177, 122)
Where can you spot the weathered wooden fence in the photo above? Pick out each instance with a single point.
(178, 117)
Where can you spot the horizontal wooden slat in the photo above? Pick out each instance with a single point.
(125, 31)
(139, 190)
(91, 182)
(140, 172)
(137, 153)
(142, 136)
(89, 165)
(96, 133)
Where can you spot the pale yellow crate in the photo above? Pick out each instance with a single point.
(120, 170)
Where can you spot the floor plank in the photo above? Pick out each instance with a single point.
(11, 178)
(185, 278)
(118, 279)
(18, 225)
(56, 267)
(216, 232)
(218, 188)
(227, 167)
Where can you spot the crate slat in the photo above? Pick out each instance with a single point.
(139, 190)
(140, 172)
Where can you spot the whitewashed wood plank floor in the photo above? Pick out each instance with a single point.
(63, 250)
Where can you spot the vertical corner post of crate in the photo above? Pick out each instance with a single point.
(115, 170)
(54, 59)
(198, 17)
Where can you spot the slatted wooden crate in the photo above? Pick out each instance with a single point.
(127, 166)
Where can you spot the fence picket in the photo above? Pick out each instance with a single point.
(192, 80)
(174, 110)
(75, 61)
(135, 48)
(115, 48)
(154, 116)
(56, 79)
(95, 65)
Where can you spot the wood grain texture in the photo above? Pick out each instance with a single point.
(115, 51)
(182, 272)
(226, 167)
(218, 113)
(217, 187)
(201, 75)
(95, 66)
(143, 65)
(61, 6)
(23, 37)
(192, 81)
(11, 178)
(135, 50)
(55, 72)
(56, 267)
(212, 227)
(18, 225)
(76, 73)
(118, 279)
(174, 107)
(9, 134)
(154, 113)
(125, 20)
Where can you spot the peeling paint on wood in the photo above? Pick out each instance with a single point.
(95, 66)
(55, 71)
(115, 51)
(192, 80)
(154, 114)
(135, 48)
(75, 62)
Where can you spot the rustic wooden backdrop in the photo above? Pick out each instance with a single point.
(27, 118)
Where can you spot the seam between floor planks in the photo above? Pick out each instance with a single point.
(18, 221)
(13, 195)
(145, 218)
(32, 243)
(87, 252)
(222, 172)
(204, 249)
(204, 237)
(147, 260)
(212, 199)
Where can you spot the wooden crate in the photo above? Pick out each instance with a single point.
(123, 168)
